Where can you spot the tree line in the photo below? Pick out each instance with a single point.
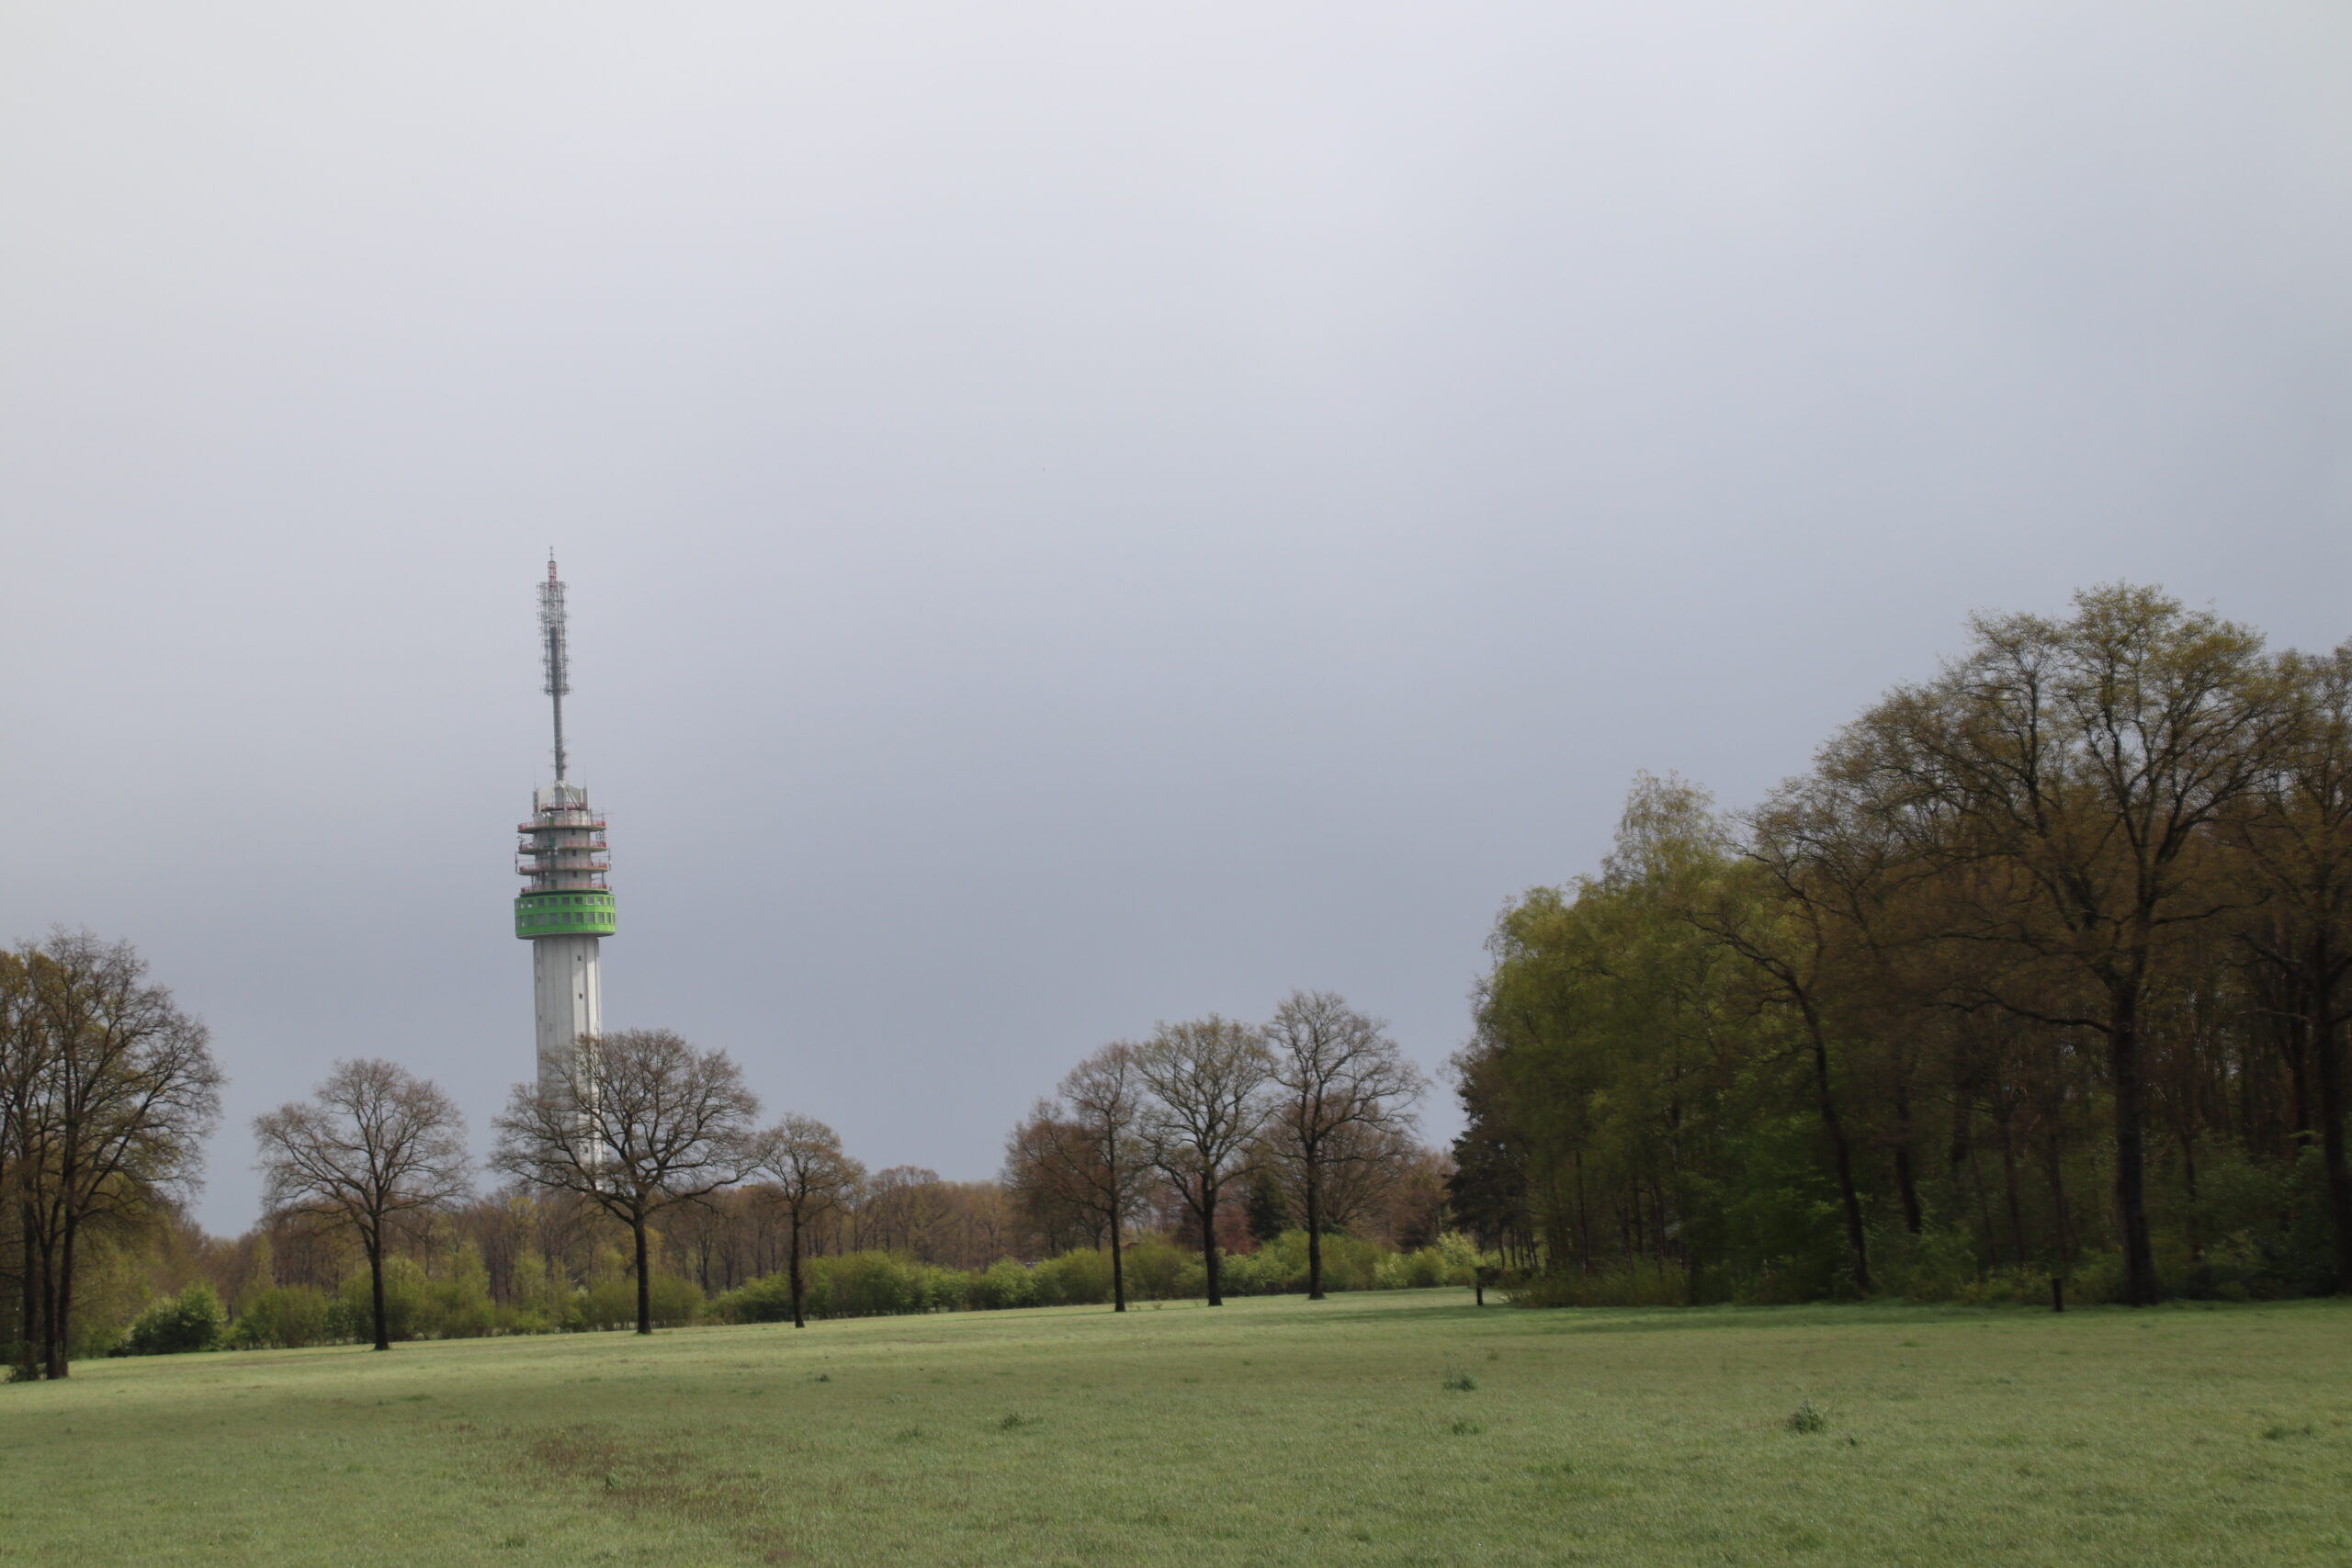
(1312, 1113)
(1216, 1133)
(2038, 975)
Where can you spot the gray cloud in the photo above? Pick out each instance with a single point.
(1074, 517)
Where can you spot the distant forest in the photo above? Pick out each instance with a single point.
(2038, 976)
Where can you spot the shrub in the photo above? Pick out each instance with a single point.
(1080, 1277)
(190, 1321)
(352, 1315)
(281, 1317)
(1160, 1271)
(458, 1306)
(1936, 1265)
(1004, 1284)
(1637, 1284)
(611, 1303)
(766, 1300)
(1450, 1260)
(866, 1284)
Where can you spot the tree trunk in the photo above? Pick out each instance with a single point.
(1314, 1231)
(2189, 1185)
(2062, 1216)
(375, 1240)
(644, 1278)
(1914, 1220)
(1208, 1239)
(2017, 1199)
(1118, 1263)
(2328, 1063)
(60, 1302)
(1841, 1152)
(794, 1266)
(2140, 1285)
(28, 1290)
(2299, 1082)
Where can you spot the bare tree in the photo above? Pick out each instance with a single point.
(1105, 1097)
(902, 1207)
(1343, 1078)
(372, 1142)
(632, 1121)
(1083, 1154)
(1364, 1168)
(111, 1097)
(813, 1176)
(1207, 1081)
(1046, 1156)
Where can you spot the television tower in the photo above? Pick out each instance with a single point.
(565, 907)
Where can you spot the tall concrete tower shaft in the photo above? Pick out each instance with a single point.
(565, 907)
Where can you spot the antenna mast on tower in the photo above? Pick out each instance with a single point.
(556, 660)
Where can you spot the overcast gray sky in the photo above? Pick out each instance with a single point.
(1077, 515)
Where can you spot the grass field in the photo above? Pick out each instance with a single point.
(1393, 1428)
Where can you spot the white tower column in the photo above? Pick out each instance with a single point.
(569, 998)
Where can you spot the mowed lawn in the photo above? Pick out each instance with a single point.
(1266, 1431)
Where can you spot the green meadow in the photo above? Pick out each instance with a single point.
(1405, 1428)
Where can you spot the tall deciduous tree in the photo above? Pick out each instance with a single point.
(1208, 1081)
(813, 1178)
(2087, 756)
(1342, 1079)
(633, 1121)
(373, 1143)
(111, 1089)
(1102, 1100)
(2293, 833)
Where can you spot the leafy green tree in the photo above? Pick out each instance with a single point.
(2292, 834)
(2088, 760)
(1267, 1209)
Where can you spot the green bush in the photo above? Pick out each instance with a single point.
(767, 1300)
(458, 1305)
(1938, 1265)
(1639, 1284)
(1003, 1283)
(190, 1321)
(1450, 1260)
(1160, 1271)
(876, 1284)
(1080, 1277)
(282, 1318)
(352, 1315)
(611, 1303)
(866, 1284)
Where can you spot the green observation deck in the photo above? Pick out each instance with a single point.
(562, 857)
(563, 914)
